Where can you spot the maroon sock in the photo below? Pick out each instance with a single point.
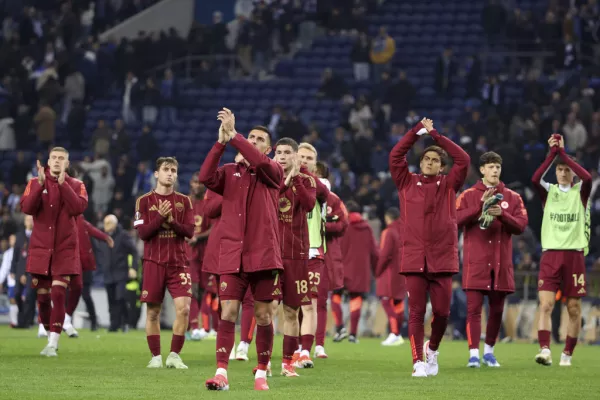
(57, 316)
(215, 319)
(264, 345)
(400, 321)
(73, 298)
(388, 307)
(544, 339)
(321, 326)
(307, 341)
(225, 342)
(177, 343)
(300, 318)
(194, 322)
(438, 328)
(247, 324)
(354, 319)
(44, 309)
(290, 344)
(570, 344)
(154, 344)
(336, 310)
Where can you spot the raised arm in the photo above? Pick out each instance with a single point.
(516, 221)
(74, 197)
(32, 197)
(211, 175)
(468, 209)
(267, 170)
(398, 164)
(185, 228)
(306, 190)
(458, 172)
(582, 173)
(146, 228)
(538, 176)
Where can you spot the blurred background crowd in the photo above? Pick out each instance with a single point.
(349, 76)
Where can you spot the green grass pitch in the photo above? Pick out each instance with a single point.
(113, 366)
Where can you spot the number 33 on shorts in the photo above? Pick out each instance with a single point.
(186, 279)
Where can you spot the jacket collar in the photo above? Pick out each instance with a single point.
(480, 186)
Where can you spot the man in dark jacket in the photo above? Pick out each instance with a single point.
(117, 271)
(23, 281)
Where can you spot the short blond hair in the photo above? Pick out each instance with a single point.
(59, 150)
(308, 146)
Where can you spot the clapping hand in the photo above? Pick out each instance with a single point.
(227, 128)
(164, 208)
(427, 124)
(61, 176)
(41, 173)
(294, 171)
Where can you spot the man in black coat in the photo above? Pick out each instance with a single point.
(22, 279)
(118, 269)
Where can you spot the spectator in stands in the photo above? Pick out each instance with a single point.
(144, 180)
(150, 99)
(146, 145)
(400, 97)
(218, 33)
(87, 20)
(566, 54)
(104, 185)
(19, 170)
(169, 93)
(45, 124)
(550, 31)
(361, 58)
(492, 93)
(74, 91)
(208, 76)
(332, 86)
(575, 133)
(473, 75)
(445, 72)
(493, 19)
(336, 22)
(101, 140)
(76, 124)
(120, 142)
(7, 133)
(261, 45)
(130, 98)
(361, 116)
(383, 49)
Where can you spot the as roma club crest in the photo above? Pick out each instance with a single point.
(284, 204)
(144, 294)
(179, 206)
(540, 283)
(34, 281)
(223, 286)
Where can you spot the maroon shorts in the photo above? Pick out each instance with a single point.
(209, 282)
(157, 278)
(265, 286)
(294, 283)
(196, 271)
(316, 266)
(45, 281)
(563, 266)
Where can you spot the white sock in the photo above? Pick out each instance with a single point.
(53, 339)
(260, 374)
(488, 349)
(222, 371)
(68, 321)
(474, 353)
(14, 314)
(41, 328)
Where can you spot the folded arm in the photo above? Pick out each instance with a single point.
(32, 197)
(211, 175)
(515, 222)
(458, 172)
(538, 181)
(268, 170)
(146, 228)
(398, 163)
(74, 199)
(468, 208)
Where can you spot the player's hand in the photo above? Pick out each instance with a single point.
(293, 173)
(223, 138)
(495, 211)
(41, 173)
(487, 194)
(23, 280)
(132, 273)
(561, 143)
(192, 241)
(552, 142)
(62, 176)
(110, 242)
(227, 119)
(427, 124)
(164, 208)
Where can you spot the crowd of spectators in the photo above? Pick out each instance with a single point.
(50, 80)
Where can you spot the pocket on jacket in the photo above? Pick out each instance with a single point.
(230, 252)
